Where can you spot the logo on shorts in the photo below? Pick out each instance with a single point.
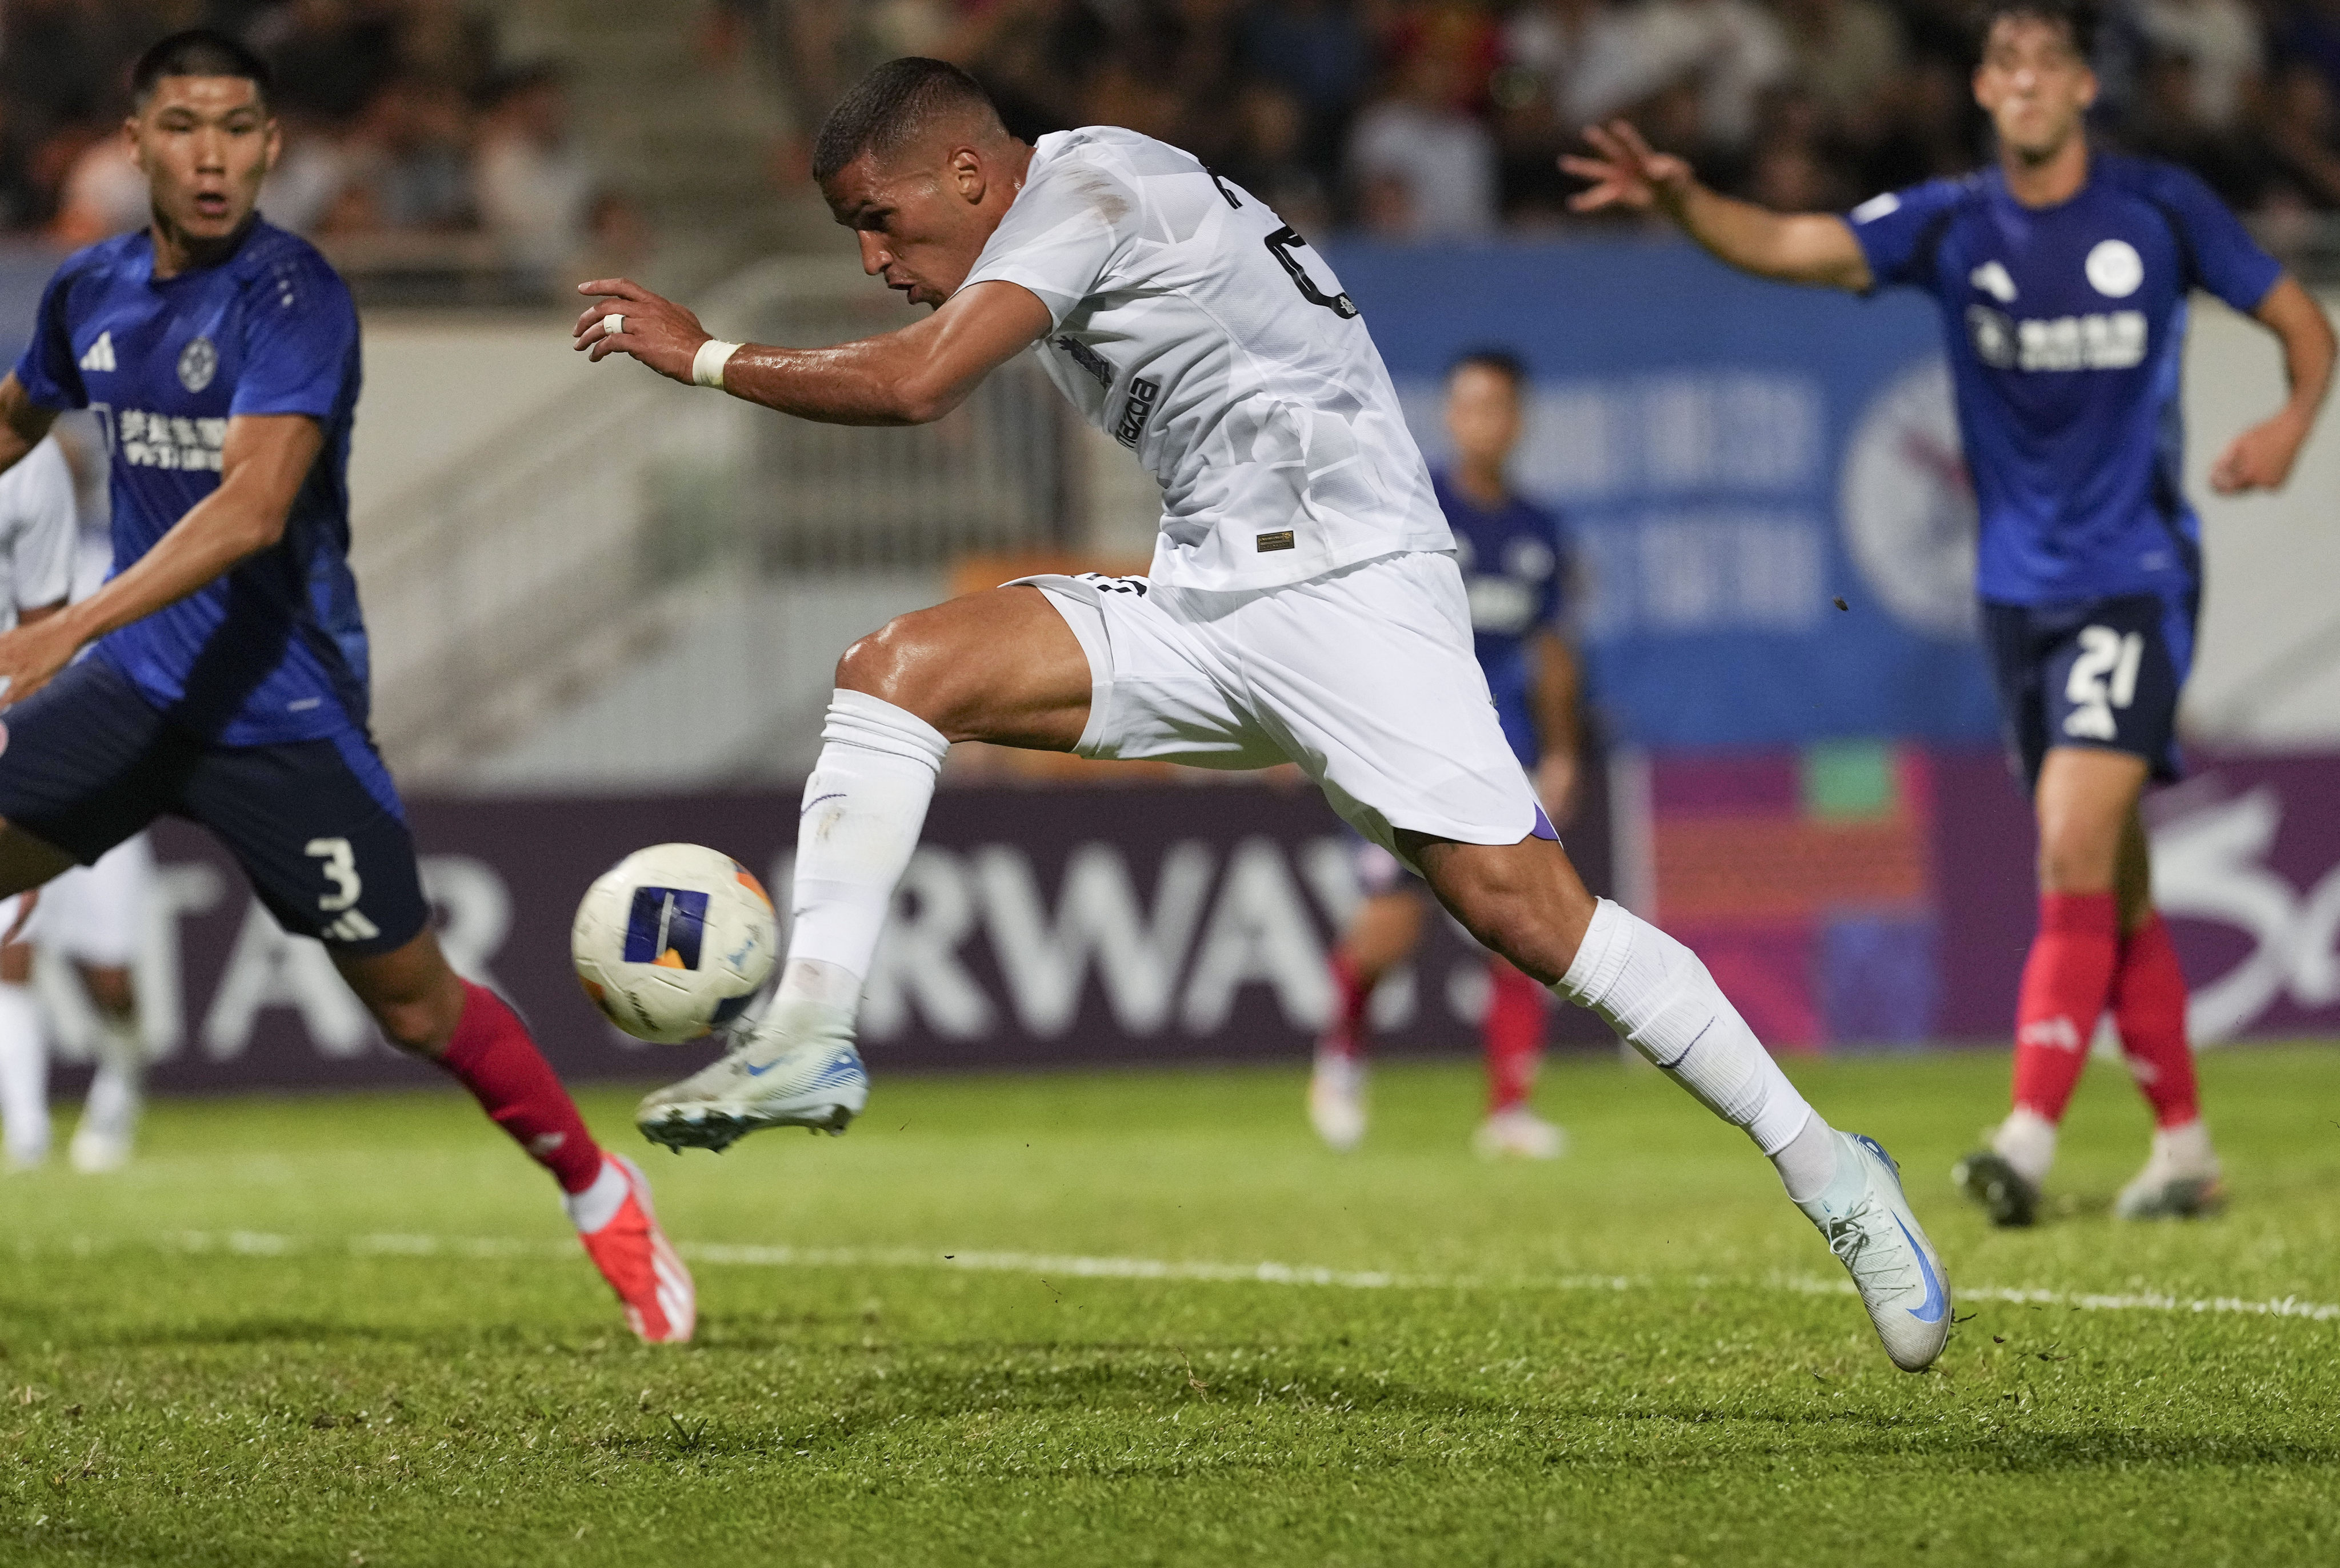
(1281, 540)
(665, 926)
(1136, 410)
(198, 363)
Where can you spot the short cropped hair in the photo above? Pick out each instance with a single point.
(199, 52)
(1502, 361)
(2077, 17)
(887, 110)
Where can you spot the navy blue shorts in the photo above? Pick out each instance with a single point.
(315, 824)
(2101, 672)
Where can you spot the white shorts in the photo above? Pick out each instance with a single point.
(96, 914)
(1365, 677)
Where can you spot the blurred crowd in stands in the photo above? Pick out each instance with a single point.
(408, 124)
(1422, 118)
(404, 120)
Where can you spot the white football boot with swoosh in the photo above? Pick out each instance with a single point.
(795, 1068)
(1865, 1220)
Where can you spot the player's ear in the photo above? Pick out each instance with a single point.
(273, 148)
(968, 176)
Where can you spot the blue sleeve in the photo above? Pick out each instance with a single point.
(2226, 261)
(46, 371)
(299, 345)
(1897, 232)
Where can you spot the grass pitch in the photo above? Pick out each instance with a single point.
(353, 1330)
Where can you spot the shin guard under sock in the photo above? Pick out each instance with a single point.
(2067, 980)
(492, 1056)
(2148, 1001)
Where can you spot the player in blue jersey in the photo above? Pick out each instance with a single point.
(226, 680)
(2062, 273)
(1513, 557)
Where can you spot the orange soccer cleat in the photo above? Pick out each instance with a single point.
(642, 1265)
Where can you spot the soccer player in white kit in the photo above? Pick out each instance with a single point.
(1303, 606)
(91, 914)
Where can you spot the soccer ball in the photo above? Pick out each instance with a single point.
(673, 941)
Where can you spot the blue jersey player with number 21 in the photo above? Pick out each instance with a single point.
(2062, 273)
(225, 680)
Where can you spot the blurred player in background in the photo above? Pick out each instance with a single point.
(1303, 606)
(37, 536)
(2062, 275)
(1515, 560)
(93, 916)
(227, 682)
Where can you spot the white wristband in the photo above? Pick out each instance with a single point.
(706, 365)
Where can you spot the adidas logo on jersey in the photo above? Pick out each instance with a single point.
(2115, 341)
(170, 441)
(101, 354)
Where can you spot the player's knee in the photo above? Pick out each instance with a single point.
(898, 664)
(2076, 856)
(110, 992)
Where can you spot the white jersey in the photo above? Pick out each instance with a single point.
(1197, 328)
(38, 532)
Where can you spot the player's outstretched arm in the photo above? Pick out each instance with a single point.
(261, 466)
(23, 421)
(1793, 247)
(914, 376)
(2261, 457)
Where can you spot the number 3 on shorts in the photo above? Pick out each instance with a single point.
(340, 869)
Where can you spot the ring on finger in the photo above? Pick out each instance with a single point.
(612, 325)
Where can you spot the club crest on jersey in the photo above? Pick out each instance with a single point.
(198, 363)
(2115, 269)
(1088, 358)
(665, 926)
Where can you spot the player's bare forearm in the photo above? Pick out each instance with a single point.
(1815, 248)
(2261, 458)
(23, 421)
(913, 376)
(1558, 695)
(261, 466)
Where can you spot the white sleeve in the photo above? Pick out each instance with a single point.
(1063, 232)
(40, 495)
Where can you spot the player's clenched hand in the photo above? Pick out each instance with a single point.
(659, 333)
(1555, 785)
(31, 656)
(1629, 172)
(2260, 458)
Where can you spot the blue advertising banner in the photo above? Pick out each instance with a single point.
(1735, 457)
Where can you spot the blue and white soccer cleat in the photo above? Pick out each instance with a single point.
(796, 1068)
(1867, 1223)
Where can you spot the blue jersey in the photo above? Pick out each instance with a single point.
(272, 650)
(2064, 326)
(1514, 562)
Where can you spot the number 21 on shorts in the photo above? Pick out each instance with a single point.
(2103, 678)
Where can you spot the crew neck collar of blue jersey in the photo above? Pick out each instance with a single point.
(252, 225)
(1995, 177)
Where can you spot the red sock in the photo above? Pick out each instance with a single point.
(1345, 1035)
(2066, 983)
(2149, 1009)
(1513, 1030)
(492, 1056)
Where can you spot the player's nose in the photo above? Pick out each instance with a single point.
(872, 254)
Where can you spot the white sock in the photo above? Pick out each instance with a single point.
(2186, 1146)
(117, 1091)
(23, 1075)
(598, 1204)
(863, 808)
(2026, 1140)
(1657, 994)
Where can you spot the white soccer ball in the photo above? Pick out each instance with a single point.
(673, 941)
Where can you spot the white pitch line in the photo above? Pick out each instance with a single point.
(723, 1254)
